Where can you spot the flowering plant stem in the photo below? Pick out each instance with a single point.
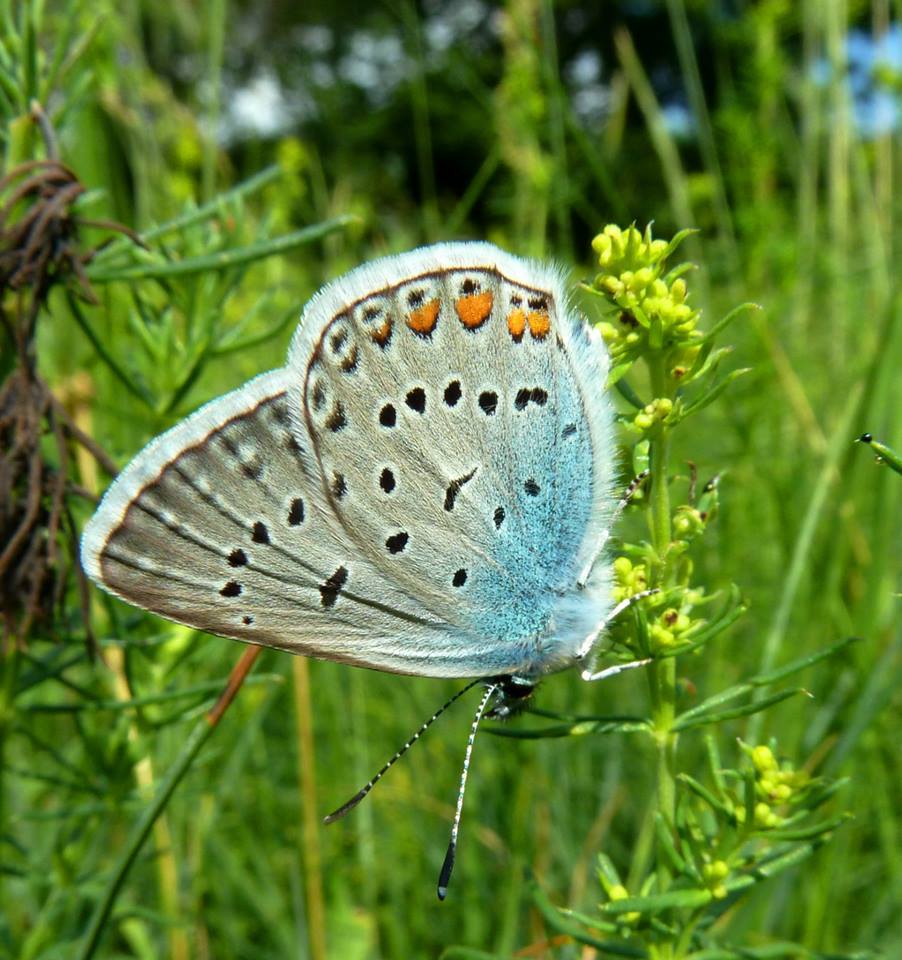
(662, 673)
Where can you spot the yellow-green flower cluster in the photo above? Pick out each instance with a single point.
(653, 413)
(688, 522)
(773, 783)
(669, 627)
(619, 892)
(714, 874)
(629, 578)
(621, 252)
(652, 308)
(775, 786)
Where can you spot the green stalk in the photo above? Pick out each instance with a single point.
(9, 669)
(194, 742)
(215, 22)
(662, 673)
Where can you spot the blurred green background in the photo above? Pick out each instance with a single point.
(770, 126)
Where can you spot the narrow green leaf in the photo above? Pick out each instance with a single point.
(577, 728)
(716, 700)
(678, 238)
(593, 923)
(558, 921)
(724, 322)
(628, 394)
(704, 793)
(744, 711)
(656, 903)
(30, 53)
(13, 92)
(708, 398)
(715, 766)
(195, 365)
(140, 832)
(198, 215)
(221, 260)
(733, 610)
(608, 872)
(272, 331)
(795, 666)
(133, 387)
(808, 833)
(678, 271)
(665, 833)
(773, 865)
(618, 372)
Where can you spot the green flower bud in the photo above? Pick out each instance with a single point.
(687, 522)
(657, 248)
(619, 892)
(763, 758)
(660, 635)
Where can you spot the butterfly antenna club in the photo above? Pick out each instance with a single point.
(444, 876)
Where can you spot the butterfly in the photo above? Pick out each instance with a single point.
(425, 488)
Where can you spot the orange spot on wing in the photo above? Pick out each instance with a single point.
(516, 323)
(423, 319)
(382, 334)
(539, 324)
(475, 309)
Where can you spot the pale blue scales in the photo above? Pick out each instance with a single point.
(418, 490)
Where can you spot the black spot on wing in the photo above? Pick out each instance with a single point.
(454, 488)
(331, 587)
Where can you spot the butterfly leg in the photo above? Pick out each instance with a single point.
(628, 494)
(588, 674)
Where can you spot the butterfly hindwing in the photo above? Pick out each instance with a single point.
(218, 524)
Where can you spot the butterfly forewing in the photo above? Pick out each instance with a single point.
(448, 422)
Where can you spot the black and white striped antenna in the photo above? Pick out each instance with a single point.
(445, 875)
(363, 791)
